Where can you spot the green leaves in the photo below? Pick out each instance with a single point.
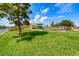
(67, 23)
(10, 10)
(13, 11)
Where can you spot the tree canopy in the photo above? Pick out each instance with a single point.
(16, 12)
(67, 23)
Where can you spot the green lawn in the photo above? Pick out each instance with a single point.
(40, 43)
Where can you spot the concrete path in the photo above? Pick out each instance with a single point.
(2, 31)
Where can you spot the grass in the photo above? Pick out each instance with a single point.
(40, 43)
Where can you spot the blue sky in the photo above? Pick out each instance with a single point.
(47, 12)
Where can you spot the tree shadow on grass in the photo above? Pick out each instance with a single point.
(30, 35)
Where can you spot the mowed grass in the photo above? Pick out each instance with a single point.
(40, 43)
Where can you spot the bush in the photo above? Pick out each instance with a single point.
(2, 27)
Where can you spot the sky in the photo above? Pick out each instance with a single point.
(45, 13)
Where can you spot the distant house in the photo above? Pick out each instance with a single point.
(63, 28)
(33, 26)
(47, 26)
(78, 27)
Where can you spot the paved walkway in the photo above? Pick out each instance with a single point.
(2, 31)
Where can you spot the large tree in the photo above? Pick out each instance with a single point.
(16, 12)
(67, 23)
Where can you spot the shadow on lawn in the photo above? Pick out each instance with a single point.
(30, 35)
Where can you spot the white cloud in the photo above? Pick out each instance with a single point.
(60, 16)
(65, 8)
(37, 17)
(44, 10)
(31, 21)
(43, 18)
(57, 17)
(57, 4)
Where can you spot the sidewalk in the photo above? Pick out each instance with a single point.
(2, 31)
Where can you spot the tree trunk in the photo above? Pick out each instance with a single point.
(19, 28)
(19, 25)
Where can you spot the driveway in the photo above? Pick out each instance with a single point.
(2, 31)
